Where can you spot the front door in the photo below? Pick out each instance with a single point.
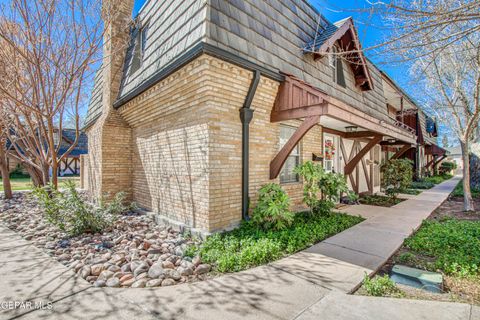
(330, 153)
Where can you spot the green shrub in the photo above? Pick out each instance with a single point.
(422, 184)
(311, 174)
(452, 245)
(397, 174)
(381, 286)
(249, 246)
(72, 214)
(272, 210)
(447, 166)
(330, 186)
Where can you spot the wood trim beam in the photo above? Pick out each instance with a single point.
(333, 131)
(353, 163)
(360, 134)
(277, 163)
(402, 151)
(297, 113)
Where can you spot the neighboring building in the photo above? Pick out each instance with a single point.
(70, 165)
(213, 99)
(455, 155)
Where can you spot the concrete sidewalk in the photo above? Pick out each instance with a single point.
(307, 285)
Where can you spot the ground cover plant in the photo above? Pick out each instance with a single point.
(458, 191)
(438, 178)
(453, 246)
(408, 191)
(379, 200)
(249, 246)
(381, 286)
(422, 184)
(447, 242)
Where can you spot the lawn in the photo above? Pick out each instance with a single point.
(19, 184)
(248, 246)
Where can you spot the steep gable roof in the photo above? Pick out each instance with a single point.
(344, 34)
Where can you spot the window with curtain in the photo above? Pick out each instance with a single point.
(293, 160)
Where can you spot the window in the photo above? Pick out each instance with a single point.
(332, 62)
(139, 44)
(293, 160)
(336, 64)
(143, 35)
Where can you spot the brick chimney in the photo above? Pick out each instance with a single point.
(113, 152)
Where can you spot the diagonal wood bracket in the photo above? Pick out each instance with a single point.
(402, 151)
(353, 163)
(438, 161)
(277, 163)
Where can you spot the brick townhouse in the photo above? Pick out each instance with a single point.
(214, 98)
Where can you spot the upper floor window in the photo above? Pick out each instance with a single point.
(287, 174)
(139, 38)
(336, 65)
(143, 42)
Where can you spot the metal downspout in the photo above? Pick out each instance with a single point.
(246, 115)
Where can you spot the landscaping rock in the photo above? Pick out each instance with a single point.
(168, 282)
(203, 268)
(168, 265)
(96, 269)
(139, 283)
(113, 282)
(156, 271)
(134, 251)
(105, 275)
(99, 283)
(154, 283)
(172, 274)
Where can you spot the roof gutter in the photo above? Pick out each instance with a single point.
(246, 115)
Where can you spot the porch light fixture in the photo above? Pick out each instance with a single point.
(351, 129)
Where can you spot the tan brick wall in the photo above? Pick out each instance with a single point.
(170, 136)
(229, 86)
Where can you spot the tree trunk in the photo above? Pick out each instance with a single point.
(7, 187)
(467, 193)
(35, 175)
(55, 174)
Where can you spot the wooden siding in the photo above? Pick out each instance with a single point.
(173, 27)
(273, 33)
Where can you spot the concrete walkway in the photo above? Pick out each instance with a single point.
(309, 285)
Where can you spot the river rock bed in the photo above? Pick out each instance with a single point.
(135, 252)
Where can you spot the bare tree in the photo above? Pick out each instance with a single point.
(450, 81)
(47, 53)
